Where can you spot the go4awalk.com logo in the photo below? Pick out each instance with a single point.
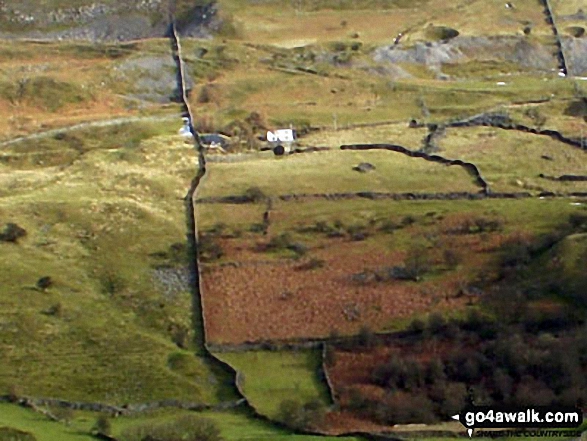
(538, 417)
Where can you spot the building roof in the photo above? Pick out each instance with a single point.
(214, 138)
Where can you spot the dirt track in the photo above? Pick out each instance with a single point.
(81, 126)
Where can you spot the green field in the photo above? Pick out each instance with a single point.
(332, 172)
(269, 378)
(234, 426)
(527, 157)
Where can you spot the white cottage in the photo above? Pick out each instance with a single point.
(281, 135)
(186, 130)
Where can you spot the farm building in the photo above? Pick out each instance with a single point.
(185, 130)
(214, 140)
(281, 139)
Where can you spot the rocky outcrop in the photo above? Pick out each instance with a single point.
(514, 49)
(97, 21)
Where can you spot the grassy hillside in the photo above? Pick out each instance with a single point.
(233, 426)
(270, 378)
(95, 299)
(104, 220)
(49, 85)
(332, 172)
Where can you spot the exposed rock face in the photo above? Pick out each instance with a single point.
(464, 48)
(364, 167)
(107, 21)
(576, 52)
(22, 13)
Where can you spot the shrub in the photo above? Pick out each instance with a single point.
(388, 226)
(399, 374)
(257, 228)
(532, 392)
(408, 220)
(209, 249)
(455, 395)
(536, 116)
(178, 253)
(207, 95)
(48, 93)
(185, 428)
(338, 46)
(180, 335)
(366, 337)
(436, 323)
(516, 253)
(300, 416)
(357, 401)
(11, 434)
(452, 258)
(435, 371)
(401, 408)
(54, 310)
(503, 385)
(205, 123)
(281, 241)
(417, 326)
(477, 225)
(12, 233)
(64, 414)
(13, 394)
(329, 356)
(578, 221)
(112, 283)
(311, 264)
(229, 27)
(256, 122)
(255, 194)
(44, 283)
(102, 426)
(576, 31)
(284, 241)
(441, 33)
(417, 263)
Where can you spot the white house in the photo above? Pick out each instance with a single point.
(185, 130)
(281, 135)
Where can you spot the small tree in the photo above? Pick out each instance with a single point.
(64, 414)
(417, 262)
(417, 326)
(300, 416)
(255, 194)
(102, 426)
(11, 434)
(54, 310)
(291, 413)
(436, 323)
(12, 233)
(180, 335)
(329, 356)
(366, 337)
(452, 258)
(44, 283)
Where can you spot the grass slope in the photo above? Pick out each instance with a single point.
(234, 426)
(102, 219)
(269, 378)
(332, 172)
